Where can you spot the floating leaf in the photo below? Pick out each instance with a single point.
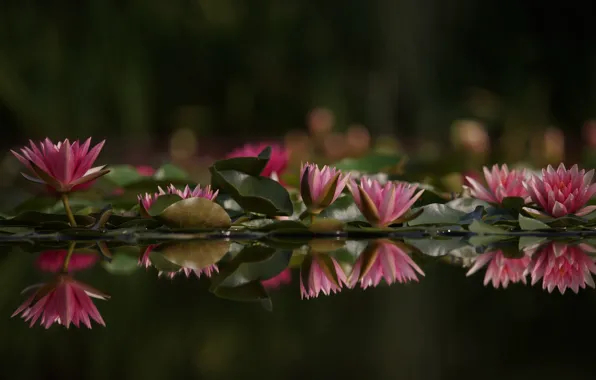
(124, 260)
(437, 214)
(480, 227)
(123, 175)
(437, 247)
(249, 292)
(467, 204)
(345, 209)
(255, 194)
(240, 272)
(170, 172)
(530, 224)
(161, 263)
(513, 203)
(195, 213)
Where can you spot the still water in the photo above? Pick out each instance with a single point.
(325, 308)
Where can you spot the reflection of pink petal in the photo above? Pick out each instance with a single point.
(53, 260)
(319, 282)
(284, 278)
(64, 301)
(208, 272)
(562, 266)
(501, 270)
(198, 192)
(391, 264)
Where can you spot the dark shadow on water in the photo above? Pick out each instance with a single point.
(379, 309)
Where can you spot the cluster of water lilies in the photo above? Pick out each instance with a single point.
(66, 167)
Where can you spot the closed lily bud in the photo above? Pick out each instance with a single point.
(319, 188)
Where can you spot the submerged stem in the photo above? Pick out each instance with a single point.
(69, 214)
(71, 247)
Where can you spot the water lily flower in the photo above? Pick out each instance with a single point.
(562, 192)
(319, 188)
(148, 199)
(501, 182)
(278, 160)
(53, 260)
(380, 204)
(283, 278)
(501, 270)
(320, 273)
(64, 167)
(383, 260)
(145, 170)
(64, 301)
(561, 265)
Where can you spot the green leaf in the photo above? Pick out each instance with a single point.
(371, 164)
(124, 261)
(195, 213)
(482, 228)
(170, 172)
(240, 272)
(123, 175)
(255, 194)
(283, 225)
(33, 218)
(345, 209)
(437, 247)
(249, 292)
(529, 224)
(437, 214)
(467, 205)
(162, 202)
(161, 263)
(513, 203)
(248, 165)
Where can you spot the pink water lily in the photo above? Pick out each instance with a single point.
(562, 192)
(380, 204)
(278, 160)
(501, 270)
(64, 301)
(320, 187)
(501, 182)
(322, 274)
(283, 278)
(384, 260)
(561, 265)
(148, 199)
(63, 166)
(145, 170)
(53, 260)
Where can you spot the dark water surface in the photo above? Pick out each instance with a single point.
(436, 320)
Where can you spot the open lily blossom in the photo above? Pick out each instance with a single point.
(198, 192)
(319, 188)
(63, 166)
(284, 278)
(53, 260)
(145, 170)
(501, 182)
(380, 204)
(318, 279)
(561, 265)
(64, 301)
(501, 270)
(384, 260)
(277, 163)
(562, 192)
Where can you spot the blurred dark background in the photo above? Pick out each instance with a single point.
(221, 72)
(178, 80)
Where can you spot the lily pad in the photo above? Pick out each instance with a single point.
(195, 213)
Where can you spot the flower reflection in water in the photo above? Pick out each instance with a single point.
(561, 265)
(384, 260)
(53, 260)
(284, 278)
(320, 273)
(63, 301)
(501, 270)
(145, 261)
